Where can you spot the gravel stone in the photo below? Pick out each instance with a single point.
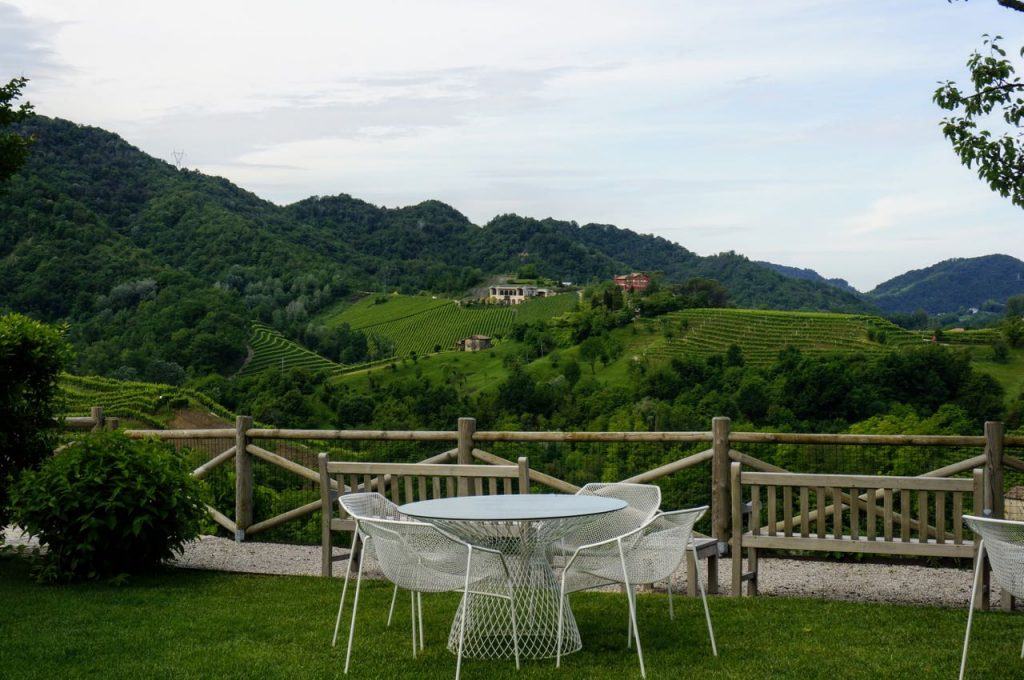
(833, 580)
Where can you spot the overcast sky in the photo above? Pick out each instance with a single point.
(797, 131)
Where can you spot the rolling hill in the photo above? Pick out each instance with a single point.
(952, 285)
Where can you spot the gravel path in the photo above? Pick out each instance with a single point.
(935, 586)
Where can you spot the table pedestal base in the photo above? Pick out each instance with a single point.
(489, 632)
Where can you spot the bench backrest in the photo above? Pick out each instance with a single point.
(856, 513)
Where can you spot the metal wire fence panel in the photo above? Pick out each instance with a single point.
(903, 461)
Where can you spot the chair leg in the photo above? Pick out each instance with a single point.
(561, 614)
(632, 611)
(515, 627)
(978, 568)
(391, 611)
(412, 616)
(344, 588)
(704, 599)
(631, 597)
(419, 614)
(465, 613)
(629, 620)
(355, 608)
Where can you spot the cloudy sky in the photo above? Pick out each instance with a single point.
(798, 131)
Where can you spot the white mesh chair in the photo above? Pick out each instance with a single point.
(360, 506)
(421, 558)
(643, 500)
(1003, 542)
(646, 555)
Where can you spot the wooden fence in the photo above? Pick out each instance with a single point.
(466, 445)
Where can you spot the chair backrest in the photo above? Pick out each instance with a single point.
(661, 545)
(1004, 545)
(404, 483)
(369, 505)
(416, 555)
(643, 500)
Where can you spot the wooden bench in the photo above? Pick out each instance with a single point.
(404, 483)
(920, 516)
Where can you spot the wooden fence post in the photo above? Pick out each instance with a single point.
(994, 499)
(721, 505)
(98, 420)
(467, 426)
(243, 477)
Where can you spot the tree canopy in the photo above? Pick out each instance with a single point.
(995, 93)
(13, 145)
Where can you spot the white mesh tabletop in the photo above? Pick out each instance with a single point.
(511, 507)
(522, 527)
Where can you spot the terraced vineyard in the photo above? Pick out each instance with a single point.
(270, 349)
(546, 308)
(139, 401)
(761, 334)
(439, 328)
(424, 324)
(375, 309)
(979, 336)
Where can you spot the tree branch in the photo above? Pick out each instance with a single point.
(1012, 4)
(1005, 87)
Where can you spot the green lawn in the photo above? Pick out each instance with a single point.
(181, 623)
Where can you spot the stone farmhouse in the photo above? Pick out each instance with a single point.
(474, 343)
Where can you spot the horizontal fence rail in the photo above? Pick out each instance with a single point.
(846, 501)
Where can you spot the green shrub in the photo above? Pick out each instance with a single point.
(32, 355)
(108, 505)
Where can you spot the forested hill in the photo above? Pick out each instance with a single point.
(952, 285)
(809, 275)
(153, 264)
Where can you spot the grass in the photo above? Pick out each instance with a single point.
(189, 624)
(1009, 374)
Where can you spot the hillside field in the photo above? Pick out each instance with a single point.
(422, 324)
(148, 403)
(270, 349)
(761, 334)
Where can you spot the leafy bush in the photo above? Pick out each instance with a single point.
(108, 505)
(32, 355)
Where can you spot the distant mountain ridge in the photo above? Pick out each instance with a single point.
(952, 285)
(809, 275)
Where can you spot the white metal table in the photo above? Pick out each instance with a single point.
(521, 527)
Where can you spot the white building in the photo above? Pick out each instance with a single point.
(513, 295)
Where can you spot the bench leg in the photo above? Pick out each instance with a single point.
(737, 570)
(752, 568)
(713, 575)
(691, 574)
